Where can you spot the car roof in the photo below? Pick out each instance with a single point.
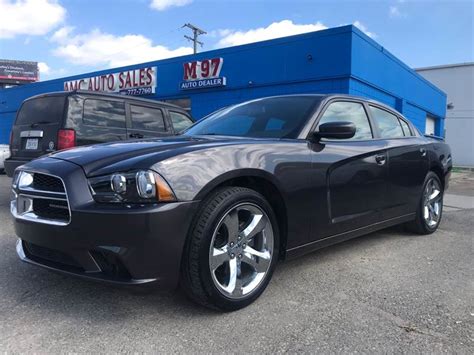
(107, 94)
(328, 97)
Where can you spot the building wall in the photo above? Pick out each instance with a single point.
(458, 82)
(338, 60)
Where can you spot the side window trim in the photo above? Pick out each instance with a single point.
(336, 100)
(410, 131)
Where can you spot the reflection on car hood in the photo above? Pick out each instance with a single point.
(140, 153)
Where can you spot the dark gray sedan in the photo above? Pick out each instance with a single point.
(216, 208)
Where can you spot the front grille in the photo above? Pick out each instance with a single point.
(43, 200)
(43, 254)
(51, 209)
(45, 182)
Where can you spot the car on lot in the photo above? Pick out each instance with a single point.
(61, 120)
(4, 154)
(215, 208)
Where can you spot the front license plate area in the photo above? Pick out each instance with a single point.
(31, 144)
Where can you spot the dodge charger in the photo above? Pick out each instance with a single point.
(215, 209)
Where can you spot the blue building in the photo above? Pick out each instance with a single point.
(337, 60)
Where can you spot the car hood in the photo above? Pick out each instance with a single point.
(140, 154)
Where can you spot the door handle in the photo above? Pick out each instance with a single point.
(136, 135)
(380, 159)
(423, 152)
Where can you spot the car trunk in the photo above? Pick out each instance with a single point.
(35, 131)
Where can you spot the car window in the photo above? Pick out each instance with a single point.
(104, 113)
(180, 121)
(47, 109)
(239, 125)
(259, 118)
(388, 123)
(350, 112)
(405, 128)
(147, 118)
(274, 124)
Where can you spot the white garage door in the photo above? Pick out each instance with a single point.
(430, 125)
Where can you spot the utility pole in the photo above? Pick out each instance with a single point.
(196, 33)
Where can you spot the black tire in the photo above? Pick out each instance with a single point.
(420, 225)
(196, 279)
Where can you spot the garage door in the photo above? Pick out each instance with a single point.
(430, 125)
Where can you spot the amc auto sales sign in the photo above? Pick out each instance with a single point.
(130, 82)
(203, 74)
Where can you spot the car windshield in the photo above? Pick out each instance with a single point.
(275, 117)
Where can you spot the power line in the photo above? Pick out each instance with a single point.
(196, 33)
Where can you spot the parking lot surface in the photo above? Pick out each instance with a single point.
(389, 291)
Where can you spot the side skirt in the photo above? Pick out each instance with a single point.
(338, 238)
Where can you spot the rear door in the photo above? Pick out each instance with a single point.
(146, 122)
(407, 162)
(355, 172)
(36, 126)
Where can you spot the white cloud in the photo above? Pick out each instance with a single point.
(97, 48)
(364, 29)
(29, 17)
(394, 11)
(275, 30)
(161, 5)
(44, 68)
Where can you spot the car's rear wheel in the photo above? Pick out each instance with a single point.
(430, 208)
(232, 249)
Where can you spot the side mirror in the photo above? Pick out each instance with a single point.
(335, 130)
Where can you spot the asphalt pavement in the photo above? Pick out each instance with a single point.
(387, 292)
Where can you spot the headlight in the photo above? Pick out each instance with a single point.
(144, 186)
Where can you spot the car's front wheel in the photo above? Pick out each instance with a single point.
(232, 249)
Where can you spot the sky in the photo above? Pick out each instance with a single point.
(69, 37)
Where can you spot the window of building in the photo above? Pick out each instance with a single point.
(147, 118)
(388, 123)
(104, 113)
(349, 112)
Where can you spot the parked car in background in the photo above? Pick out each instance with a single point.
(4, 154)
(215, 208)
(60, 120)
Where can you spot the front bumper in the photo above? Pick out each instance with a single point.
(118, 244)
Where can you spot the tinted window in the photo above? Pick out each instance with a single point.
(259, 118)
(350, 112)
(388, 123)
(104, 113)
(180, 121)
(405, 128)
(42, 110)
(146, 118)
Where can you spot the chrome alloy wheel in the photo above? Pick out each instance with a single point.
(241, 250)
(432, 203)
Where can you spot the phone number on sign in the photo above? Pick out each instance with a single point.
(137, 91)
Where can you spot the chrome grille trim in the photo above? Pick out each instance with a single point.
(28, 194)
